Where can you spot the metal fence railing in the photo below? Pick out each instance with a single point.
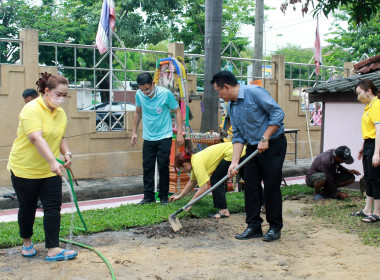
(89, 73)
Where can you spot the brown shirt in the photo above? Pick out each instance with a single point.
(326, 163)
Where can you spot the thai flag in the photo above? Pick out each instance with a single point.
(317, 50)
(107, 21)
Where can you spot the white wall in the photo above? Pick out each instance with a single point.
(343, 127)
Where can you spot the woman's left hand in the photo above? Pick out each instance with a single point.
(375, 160)
(67, 160)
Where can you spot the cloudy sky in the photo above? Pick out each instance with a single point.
(291, 28)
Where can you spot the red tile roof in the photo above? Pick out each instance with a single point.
(369, 65)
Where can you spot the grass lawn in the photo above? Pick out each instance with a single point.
(129, 216)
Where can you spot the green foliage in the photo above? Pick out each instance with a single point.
(353, 43)
(295, 54)
(189, 26)
(296, 190)
(359, 11)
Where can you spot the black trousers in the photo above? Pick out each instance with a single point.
(49, 190)
(160, 151)
(266, 167)
(219, 194)
(371, 174)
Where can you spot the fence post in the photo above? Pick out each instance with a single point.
(29, 50)
(279, 75)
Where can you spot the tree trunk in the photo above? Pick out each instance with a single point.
(258, 51)
(213, 32)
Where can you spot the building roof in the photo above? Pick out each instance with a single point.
(340, 90)
(369, 65)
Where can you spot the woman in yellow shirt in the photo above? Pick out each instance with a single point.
(213, 160)
(35, 173)
(370, 153)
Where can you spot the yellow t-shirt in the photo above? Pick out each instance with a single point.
(205, 162)
(371, 116)
(24, 159)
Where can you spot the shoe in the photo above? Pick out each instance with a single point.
(61, 256)
(145, 201)
(32, 251)
(164, 201)
(250, 233)
(272, 235)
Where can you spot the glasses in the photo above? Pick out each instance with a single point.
(218, 90)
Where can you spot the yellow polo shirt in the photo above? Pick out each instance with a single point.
(24, 159)
(206, 161)
(371, 116)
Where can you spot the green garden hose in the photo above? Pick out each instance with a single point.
(84, 224)
(75, 198)
(95, 250)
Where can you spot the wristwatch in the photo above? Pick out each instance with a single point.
(263, 139)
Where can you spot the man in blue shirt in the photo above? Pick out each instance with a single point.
(257, 120)
(153, 105)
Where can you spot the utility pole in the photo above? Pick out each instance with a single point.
(259, 33)
(213, 41)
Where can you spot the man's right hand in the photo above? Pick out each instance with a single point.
(231, 170)
(134, 139)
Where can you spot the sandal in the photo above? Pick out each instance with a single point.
(358, 214)
(61, 256)
(371, 219)
(30, 249)
(215, 216)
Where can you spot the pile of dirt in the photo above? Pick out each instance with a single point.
(190, 227)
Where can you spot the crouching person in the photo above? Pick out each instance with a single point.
(326, 173)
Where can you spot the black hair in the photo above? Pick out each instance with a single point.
(367, 84)
(30, 92)
(224, 78)
(144, 78)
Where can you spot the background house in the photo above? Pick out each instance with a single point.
(341, 123)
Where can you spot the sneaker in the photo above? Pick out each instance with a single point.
(146, 200)
(164, 201)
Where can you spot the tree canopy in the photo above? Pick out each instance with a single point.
(359, 11)
(352, 43)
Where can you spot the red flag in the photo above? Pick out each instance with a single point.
(106, 22)
(317, 50)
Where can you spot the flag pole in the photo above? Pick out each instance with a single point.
(111, 70)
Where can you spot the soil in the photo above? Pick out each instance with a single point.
(206, 249)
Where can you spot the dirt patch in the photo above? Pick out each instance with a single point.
(207, 249)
